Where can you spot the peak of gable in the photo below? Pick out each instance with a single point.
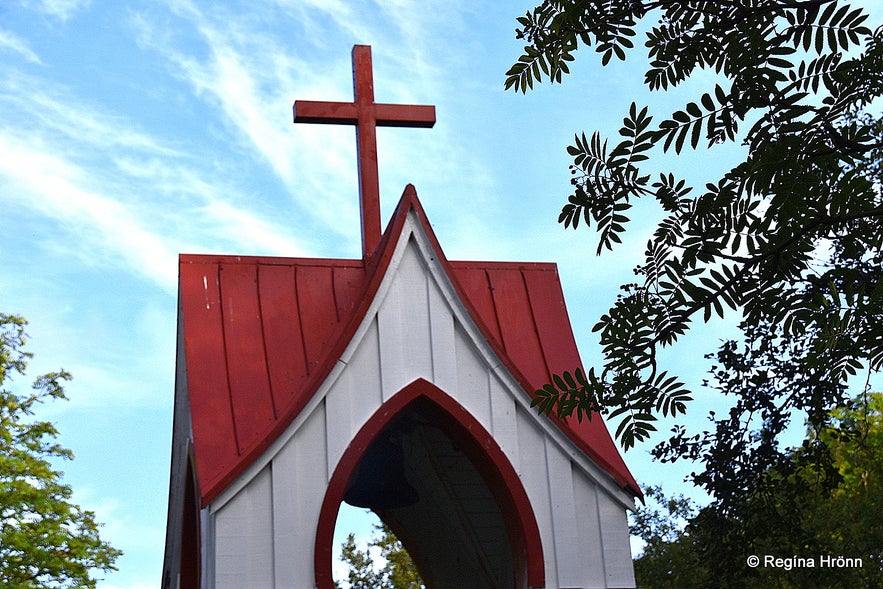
(262, 334)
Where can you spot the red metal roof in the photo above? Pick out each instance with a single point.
(262, 334)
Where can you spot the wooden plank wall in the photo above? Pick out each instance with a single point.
(264, 534)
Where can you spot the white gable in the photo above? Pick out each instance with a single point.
(260, 531)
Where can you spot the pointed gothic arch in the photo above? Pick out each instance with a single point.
(423, 405)
(190, 557)
(182, 565)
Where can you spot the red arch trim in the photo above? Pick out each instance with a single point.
(478, 445)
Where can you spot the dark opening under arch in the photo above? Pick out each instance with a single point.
(471, 518)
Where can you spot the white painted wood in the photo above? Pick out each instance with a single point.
(585, 494)
(532, 471)
(504, 427)
(615, 542)
(473, 376)
(566, 536)
(442, 334)
(244, 537)
(299, 481)
(413, 234)
(403, 322)
(355, 395)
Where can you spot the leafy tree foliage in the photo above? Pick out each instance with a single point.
(45, 540)
(398, 570)
(670, 559)
(789, 239)
(798, 510)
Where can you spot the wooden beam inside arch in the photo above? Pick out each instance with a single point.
(476, 443)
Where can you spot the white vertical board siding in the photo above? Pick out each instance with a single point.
(615, 543)
(355, 395)
(244, 537)
(472, 381)
(503, 421)
(566, 537)
(442, 333)
(585, 494)
(403, 322)
(299, 481)
(532, 471)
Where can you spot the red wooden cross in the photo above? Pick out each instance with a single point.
(366, 115)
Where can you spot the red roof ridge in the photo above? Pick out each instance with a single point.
(356, 298)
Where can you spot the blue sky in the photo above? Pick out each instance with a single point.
(132, 132)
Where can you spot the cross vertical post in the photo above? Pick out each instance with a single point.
(365, 115)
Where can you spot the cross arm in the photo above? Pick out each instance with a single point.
(329, 113)
(366, 115)
(405, 115)
(347, 113)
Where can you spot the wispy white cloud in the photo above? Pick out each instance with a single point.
(121, 195)
(251, 73)
(249, 76)
(134, 237)
(53, 112)
(251, 230)
(14, 43)
(60, 9)
(315, 15)
(101, 177)
(229, 79)
(99, 226)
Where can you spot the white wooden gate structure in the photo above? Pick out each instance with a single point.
(295, 375)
